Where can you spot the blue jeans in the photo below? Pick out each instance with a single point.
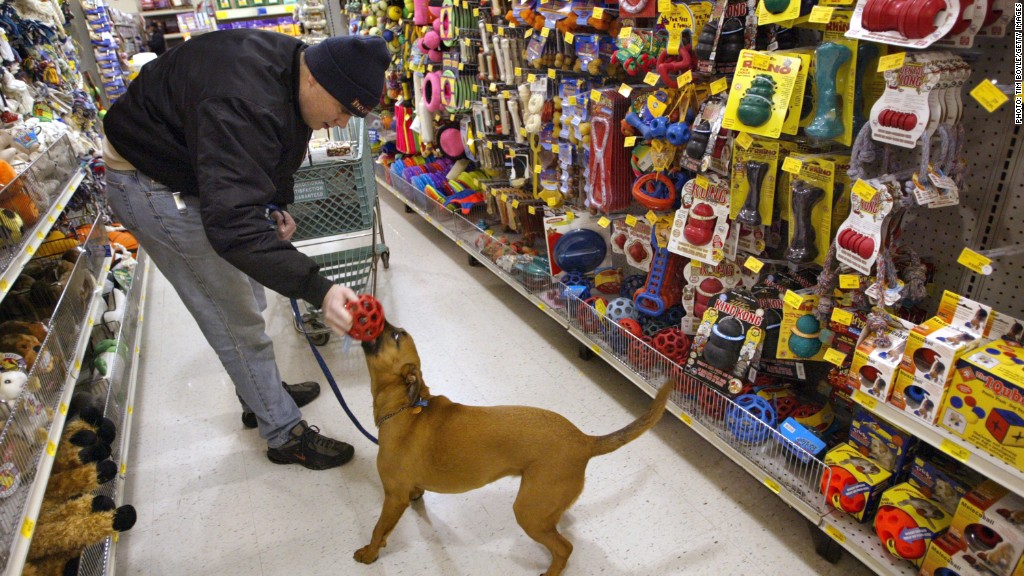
(225, 302)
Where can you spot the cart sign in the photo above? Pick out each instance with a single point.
(309, 190)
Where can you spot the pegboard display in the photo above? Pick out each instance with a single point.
(988, 215)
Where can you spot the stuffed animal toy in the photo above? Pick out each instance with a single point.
(81, 480)
(56, 565)
(77, 448)
(89, 410)
(11, 227)
(32, 417)
(78, 523)
(37, 329)
(19, 94)
(28, 347)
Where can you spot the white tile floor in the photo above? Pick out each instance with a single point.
(210, 503)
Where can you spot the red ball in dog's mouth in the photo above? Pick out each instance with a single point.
(367, 318)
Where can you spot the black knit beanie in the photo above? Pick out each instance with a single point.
(351, 68)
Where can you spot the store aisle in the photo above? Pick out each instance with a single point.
(210, 503)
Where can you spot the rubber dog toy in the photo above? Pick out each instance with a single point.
(751, 418)
(755, 107)
(367, 318)
(802, 249)
(803, 341)
(829, 57)
(750, 214)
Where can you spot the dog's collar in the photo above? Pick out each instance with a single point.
(421, 403)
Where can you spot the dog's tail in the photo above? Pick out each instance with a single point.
(612, 442)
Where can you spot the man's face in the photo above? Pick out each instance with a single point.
(319, 109)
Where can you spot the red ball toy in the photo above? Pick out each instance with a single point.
(367, 318)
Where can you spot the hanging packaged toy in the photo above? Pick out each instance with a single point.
(760, 93)
(835, 87)
(908, 23)
(707, 148)
(811, 186)
(752, 186)
(860, 238)
(800, 335)
(801, 103)
(701, 225)
(728, 343)
(704, 282)
(901, 114)
(730, 29)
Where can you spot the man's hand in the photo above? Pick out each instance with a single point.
(285, 224)
(336, 315)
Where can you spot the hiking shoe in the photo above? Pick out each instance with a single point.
(303, 393)
(311, 449)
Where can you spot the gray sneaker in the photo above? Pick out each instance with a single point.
(311, 449)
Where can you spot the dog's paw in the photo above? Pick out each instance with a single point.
(365, 555)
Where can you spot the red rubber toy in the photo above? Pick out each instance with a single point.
(367, 318)
(890, 522)
(832, 486)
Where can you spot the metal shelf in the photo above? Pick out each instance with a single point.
(167, 11)
(859, 539)
(953, 445)
(23, 540)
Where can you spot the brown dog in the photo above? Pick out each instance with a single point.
(431, 443)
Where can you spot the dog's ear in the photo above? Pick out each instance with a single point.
(413, 379)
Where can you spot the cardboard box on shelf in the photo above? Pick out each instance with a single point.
(985, 403)
(990, 523)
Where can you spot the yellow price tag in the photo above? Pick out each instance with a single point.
(4, 285)
(594, 347)
(686, 418)
(651, 79)
(793, 299)
(792, 165)
(595, 95)
(571, 100)
(531, 209)
(529, 32)
(760, 61)
(702, 182)
(490, 28)
(541, 306)
(476, 12)
(78, 365)
(604, 222)
(490, 145)
(27, 527)
(865, 191)
(531, 77)
(849, 281)
(552, 72)
(835, 356)
(545, 31)
(51, 448)
(753, 264)
(476, 88)
(519, 71)
(956, 451)
(866, 400)
(63, 408)
(493, 87)
(975, 262)
(651, 217)
(504, 197)
(598, 13)
(569, 216)
(835, 533)
(536, 169)
(625, 32)
(625, 90)
(891, 61)
(720, 85)
(124, 468)
(844, 317)
(555, 148)
(501, 145)
(744, 140)
(989, 96)
(629, 141)
(685, 78)
(821, 14)
(569, 37)
(515, 204)
(630, 220)
(772, 485)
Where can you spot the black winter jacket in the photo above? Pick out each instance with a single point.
(218, 117)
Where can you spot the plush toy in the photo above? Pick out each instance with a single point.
(77, 448)
(37, 329)
(19, 94)
(11, 227)
(81, 480)
(28, 347)
(32, 416)
(76, 524)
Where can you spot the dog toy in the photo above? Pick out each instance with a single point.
(367, 318)
(802, 249)
(756, 105)
(750, 214)
(829, 57)
(750, 418)
(804, 342)
(722, 349)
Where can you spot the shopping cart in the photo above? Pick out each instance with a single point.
(337, 218)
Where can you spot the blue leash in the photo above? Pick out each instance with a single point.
(329, 376)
